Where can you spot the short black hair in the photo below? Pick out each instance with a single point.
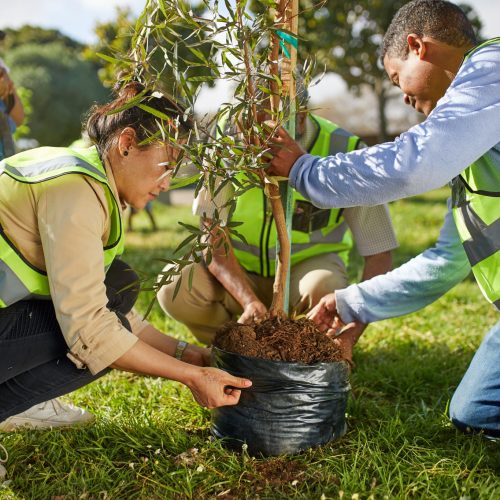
(439, 19)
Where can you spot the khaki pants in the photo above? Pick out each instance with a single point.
(207, 306)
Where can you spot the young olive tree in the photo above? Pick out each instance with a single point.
(246, 49)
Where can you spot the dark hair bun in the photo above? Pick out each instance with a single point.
(106, 121)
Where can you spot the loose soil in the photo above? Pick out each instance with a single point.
(279, 340)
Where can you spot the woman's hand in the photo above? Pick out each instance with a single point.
(196, 355)
(212, 387)
(254, 311)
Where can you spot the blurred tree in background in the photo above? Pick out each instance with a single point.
(345, 37)
(113, 38)
(112, 50)
(62, 84)
(41, 36)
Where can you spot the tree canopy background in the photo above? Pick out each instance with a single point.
(63, 85)
(64, 77)
(345, 38)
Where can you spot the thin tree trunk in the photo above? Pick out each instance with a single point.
(272, 190)
(287, 11)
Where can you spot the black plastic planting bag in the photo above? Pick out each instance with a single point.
(290, 406)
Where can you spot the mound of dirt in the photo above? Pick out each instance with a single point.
(279, 340)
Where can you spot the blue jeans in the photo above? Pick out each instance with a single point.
(475, 406)
(33, 363)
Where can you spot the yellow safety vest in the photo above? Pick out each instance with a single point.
(19, 279)
(476, 210)
(315, 231)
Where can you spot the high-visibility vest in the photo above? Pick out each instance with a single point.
(476, 210)
(19, 279)
(315, 231)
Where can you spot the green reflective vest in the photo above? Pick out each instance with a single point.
(19, 279)
(476, 210)
(315, 231)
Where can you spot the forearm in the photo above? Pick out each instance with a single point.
(410, 287)
(147, 360)
(379, 263)
(159, 341)
(232, 277)
(425, 157)
(228, 271)
(192, 354)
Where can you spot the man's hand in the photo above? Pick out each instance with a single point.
(285, 152)
(347, 337)
(326, 317)
(254, 311)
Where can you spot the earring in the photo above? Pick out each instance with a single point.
(125, 153)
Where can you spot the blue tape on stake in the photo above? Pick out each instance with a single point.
(287, 38)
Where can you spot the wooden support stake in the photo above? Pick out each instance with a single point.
(281, 199)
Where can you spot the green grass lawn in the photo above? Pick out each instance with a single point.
(152, 441)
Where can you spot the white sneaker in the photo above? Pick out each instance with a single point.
(52, 413)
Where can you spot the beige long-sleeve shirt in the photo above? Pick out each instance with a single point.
(60, 226)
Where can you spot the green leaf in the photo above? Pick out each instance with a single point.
(177, 287)
(191, 228)
(190, 278)
(238, 235)
(112, 60)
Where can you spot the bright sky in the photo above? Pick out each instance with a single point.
(77, 19)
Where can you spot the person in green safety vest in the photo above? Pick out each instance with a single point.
(66, 300)
(430, 52)
(240, 283)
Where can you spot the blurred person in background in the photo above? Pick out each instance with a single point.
(11, 110)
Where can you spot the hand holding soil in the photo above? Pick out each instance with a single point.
(212, 387)
(254, 311)
(347, 337)
(325, 315)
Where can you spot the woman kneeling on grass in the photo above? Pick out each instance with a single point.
(64, 316)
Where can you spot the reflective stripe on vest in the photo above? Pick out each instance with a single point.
(315, 231)
(20, 280)
(476, 210)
